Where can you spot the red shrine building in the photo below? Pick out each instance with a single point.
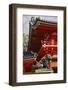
(43, 40)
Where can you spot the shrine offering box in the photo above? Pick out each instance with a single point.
(37, 44)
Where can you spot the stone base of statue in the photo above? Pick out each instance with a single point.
(43, 70)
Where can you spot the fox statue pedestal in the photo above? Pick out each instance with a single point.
(43, 70)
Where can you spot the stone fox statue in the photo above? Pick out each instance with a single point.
(43, 63)
(44, 60)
